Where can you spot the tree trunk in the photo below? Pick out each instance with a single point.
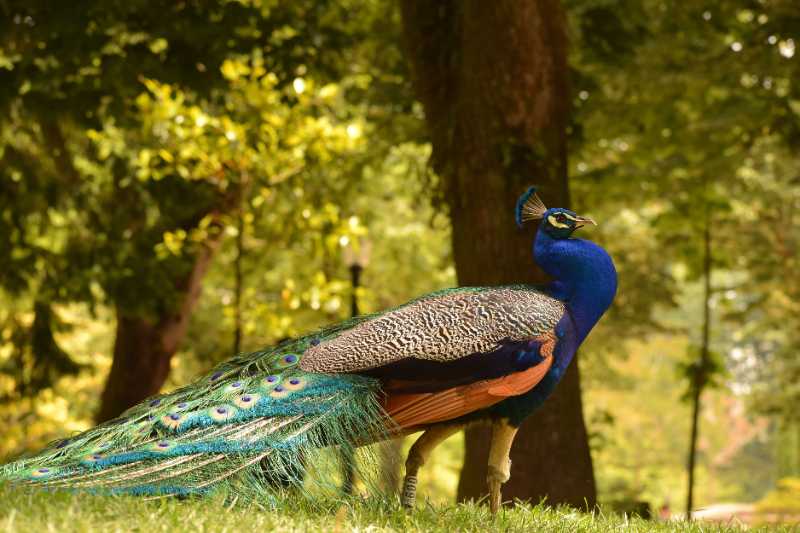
(143, 347)
(492, 77)
(700, 375)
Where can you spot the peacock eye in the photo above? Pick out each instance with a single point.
(561, 217)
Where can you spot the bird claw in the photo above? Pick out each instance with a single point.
(495, 478)
(495, 496)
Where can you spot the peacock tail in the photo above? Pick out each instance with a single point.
(256, 417)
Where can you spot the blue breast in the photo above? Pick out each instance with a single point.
(517, 408)
(585, 279)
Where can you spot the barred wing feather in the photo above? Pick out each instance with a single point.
(443, 327)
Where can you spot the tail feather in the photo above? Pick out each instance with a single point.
(126, 472)
(88, 477)
(219, 429)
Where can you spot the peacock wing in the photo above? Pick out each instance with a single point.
(441, 327)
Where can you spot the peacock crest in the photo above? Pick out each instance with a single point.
(529, 207)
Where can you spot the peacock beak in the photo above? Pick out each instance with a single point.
(582, 221)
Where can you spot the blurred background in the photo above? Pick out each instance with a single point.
(181, 181)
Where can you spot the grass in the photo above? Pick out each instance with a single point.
(27, 511)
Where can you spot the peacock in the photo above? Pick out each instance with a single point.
(435, 364)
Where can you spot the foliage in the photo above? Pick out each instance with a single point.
(784, 499)
(722, 141)
(68, 404)
(162, 137)
(69, 73)
(640, 428)
(691, 109)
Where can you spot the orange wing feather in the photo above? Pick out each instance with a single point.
(414, 410)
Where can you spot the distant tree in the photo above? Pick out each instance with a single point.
(492, 77)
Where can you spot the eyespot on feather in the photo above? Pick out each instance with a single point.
(268, 383)
(295, 383)
(161, 446)
(222, 413)
(288, 360)
(41, 473)
(235, 386)
(247, 400)
(173, 420)
(178, 407)
(279, 392)
(92, 458)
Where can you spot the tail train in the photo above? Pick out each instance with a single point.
(254, 410)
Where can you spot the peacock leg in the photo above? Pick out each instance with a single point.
(418, 454)
(499, 462)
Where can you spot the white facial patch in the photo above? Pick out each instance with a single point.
(556, 224)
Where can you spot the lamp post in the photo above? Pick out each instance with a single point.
(355, 280)
(356, 257)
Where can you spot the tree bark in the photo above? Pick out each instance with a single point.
(143, 347)
(492, 78)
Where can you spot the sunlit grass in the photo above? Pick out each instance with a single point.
(26, 511)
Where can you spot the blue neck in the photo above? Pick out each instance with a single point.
(583, 275)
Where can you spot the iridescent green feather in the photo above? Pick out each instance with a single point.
(254, 413)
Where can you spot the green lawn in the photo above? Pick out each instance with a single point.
(25, 511)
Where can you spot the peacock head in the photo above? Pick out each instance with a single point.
(557, 222)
